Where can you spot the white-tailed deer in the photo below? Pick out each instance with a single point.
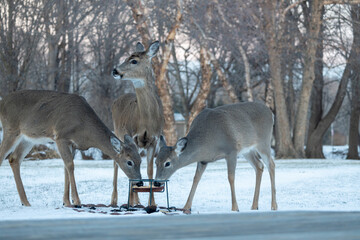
(139, 115)
(32, 117)
(223, 132)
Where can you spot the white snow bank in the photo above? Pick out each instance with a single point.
(302, 184)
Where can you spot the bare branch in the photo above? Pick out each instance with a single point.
(291, 6)
(327, 2)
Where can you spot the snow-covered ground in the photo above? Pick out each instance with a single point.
(302, 184)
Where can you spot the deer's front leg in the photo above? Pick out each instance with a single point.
(66, 197)
(199, 171)
(67, 157)
(150, 170)
(114, 195)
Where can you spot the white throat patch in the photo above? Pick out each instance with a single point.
(138, 83)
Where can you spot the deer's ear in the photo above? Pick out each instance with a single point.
(129, 139)
(162, 141)
(153, 49)
(181, 145)
(116, 143)
(140, 47)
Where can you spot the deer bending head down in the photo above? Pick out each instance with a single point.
(223, 132)
(36, 117)
(138, 114)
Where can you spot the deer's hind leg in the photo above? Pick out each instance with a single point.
(9, 143)
(253, 158)
(15, 160)
(270, 164)
(66, 200)
(231, 161)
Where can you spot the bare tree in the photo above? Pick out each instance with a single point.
(354, 138)
(319, 121)
(17, 42)
(109, 39)
(272, 24)
(61, 19)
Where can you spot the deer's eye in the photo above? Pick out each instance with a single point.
(129, 163)
(167, 164)
(133, 61)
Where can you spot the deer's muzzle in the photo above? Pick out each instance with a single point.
(158, 184)
(140, 184)
(116, 74)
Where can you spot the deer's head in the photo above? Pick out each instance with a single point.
(137, 68)
(167, 161)
(128, 157)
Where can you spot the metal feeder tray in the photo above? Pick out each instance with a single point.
(150, 189)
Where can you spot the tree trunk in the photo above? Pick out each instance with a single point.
(314, 144)
(354, 117)
(247, 73)
(284, 144)
(273, 29)
(308, 77)
(355, 89)
(66, 48)
(10, 58)
(313, 149)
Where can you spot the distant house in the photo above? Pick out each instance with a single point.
(180, 125)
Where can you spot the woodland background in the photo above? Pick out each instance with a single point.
(302, 58)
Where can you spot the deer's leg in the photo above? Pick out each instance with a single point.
(67, 156)
(15, 160)
(253, 159)
(270, 164)
(150, 169)
(8, 145)
(114, 195)
(66, 199)
(199, 171)
(231, 166)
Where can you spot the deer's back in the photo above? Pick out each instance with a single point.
(40, 113)
(234, 126)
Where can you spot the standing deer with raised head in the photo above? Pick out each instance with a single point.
(35, 117)
(139, 114)
(223, 132)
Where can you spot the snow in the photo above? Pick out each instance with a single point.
(302, 184)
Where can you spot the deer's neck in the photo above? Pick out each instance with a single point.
(147, 101)
(189, 155)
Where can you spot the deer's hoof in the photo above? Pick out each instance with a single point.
(187, 211)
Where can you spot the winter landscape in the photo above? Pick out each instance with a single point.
(302, 184)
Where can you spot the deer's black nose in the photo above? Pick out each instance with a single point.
(157, 184)
(140, 184)
(115, 72)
